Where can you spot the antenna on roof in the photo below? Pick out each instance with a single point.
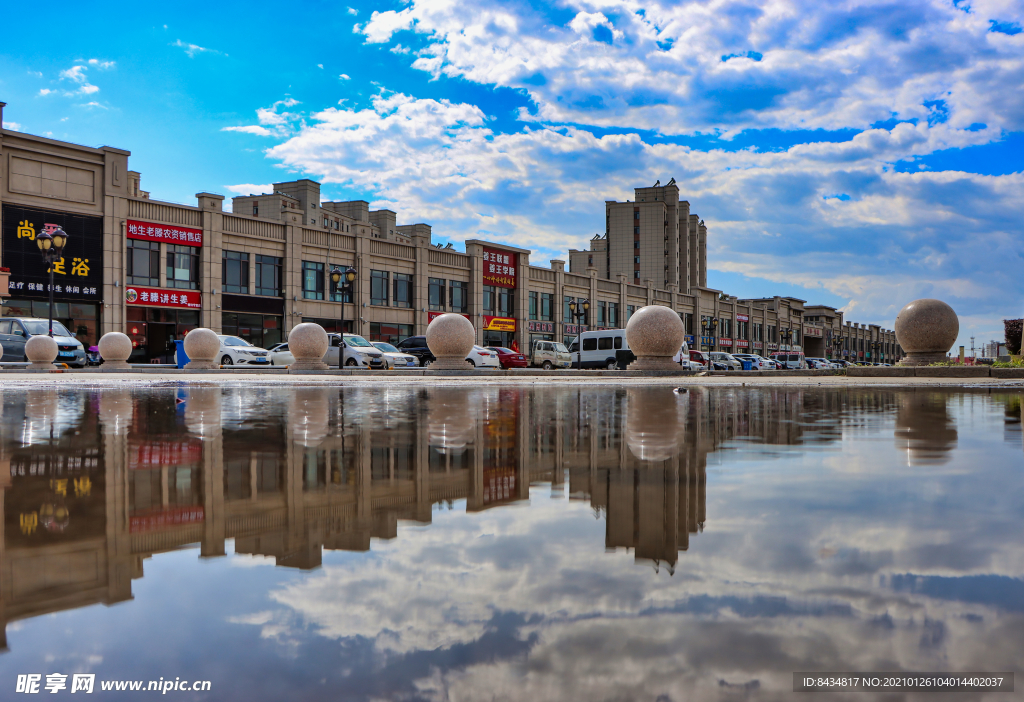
(657, 182)
(672, 182)
(449, 246)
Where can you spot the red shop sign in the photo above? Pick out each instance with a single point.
(155, 297)
(742, 318)
(158, 520)
(165, 233)
(500, 268)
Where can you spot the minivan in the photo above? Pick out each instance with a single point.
(15, 331)
(599, 349)
(790, 359)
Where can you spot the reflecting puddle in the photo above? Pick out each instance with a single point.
(473, 543)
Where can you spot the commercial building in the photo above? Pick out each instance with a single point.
(257, 268)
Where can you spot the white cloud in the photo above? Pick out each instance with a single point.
(319, 65)
(399, 49)
(76, 74)
(93, 104)
(100, 64)
(13, 126)
(352, 10)
(37, 74)
(251, 188)
(194, 49)
(344, 76)
(249, 129)
(45, 91)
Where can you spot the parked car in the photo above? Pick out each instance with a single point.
(684, 360)
(280, 355)
(790, 360)
(819, 364)
(600, 349)
(756, 362)
(236, 351)
(702, 358)
(552, 354)
(15, 331)
(359, 353)
(417, 346)
(509, 358)
(483, 358)
(393, 358)
(726, 359)
(841, 363)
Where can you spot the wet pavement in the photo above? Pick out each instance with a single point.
(503, 542)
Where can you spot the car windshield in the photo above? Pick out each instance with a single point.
(561, 348)
(501, 349)
(353, 340)
(234, 341)
(383, 346)
(38, 326)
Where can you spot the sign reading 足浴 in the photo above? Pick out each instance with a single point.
(500, 268)
(78, 275)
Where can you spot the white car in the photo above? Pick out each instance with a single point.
(819, 364)
(236, 351)
(280, 355)
(393, 358)
(359, 353)
(756, 362)
(483, 358)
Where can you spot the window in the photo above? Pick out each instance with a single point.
(143, 262)
(688, 322)
(234, 274)
(436, 294)
(590, 260)
(312, 280)
(636, 275)
(601, 315)
(630, 309)
(336, 291)
(489, 299)
(506, 302)
(332, 326)
(263, 330)
(378, 287)
(256, 209)
(533, 304)
(390, 333)
(636, 215)
(604, 343)
(182, 267)
(547, 307)
(567, 311)
(636, 230)
(268, 275)
(618, 342)
(636, 259)
(613, 314)
(590, 344)
(403, 290)
(636, 245)
(458, 291)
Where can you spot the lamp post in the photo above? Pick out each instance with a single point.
(51, 245)
(578, 309)
(337, 277)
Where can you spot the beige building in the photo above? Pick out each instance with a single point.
(155, 269)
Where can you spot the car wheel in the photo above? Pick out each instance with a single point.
(471, 362)
(351, 363)
(612, 365)
(425, 363)
(226, 360)
(546, 365)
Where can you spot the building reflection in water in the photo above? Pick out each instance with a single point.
(95, 483)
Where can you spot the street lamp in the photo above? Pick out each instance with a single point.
(343, 280)
(51, 245)
(578, 309)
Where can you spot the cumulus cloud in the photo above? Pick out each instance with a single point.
(45, 91)
(193, 50)
(273, 120)
(344, 76)
(13, 126)
(76, 74)
(250, 188)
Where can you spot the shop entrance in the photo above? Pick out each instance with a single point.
(153, 331)
(497, 338)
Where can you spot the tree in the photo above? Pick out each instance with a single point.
(1013, 329)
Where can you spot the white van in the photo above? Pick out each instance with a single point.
(790, 359)
(602, 349)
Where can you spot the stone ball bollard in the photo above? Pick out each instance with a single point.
(201, 346)
(654, 334)
(450, 338)
(115, 348)
(926, 329)
(308, 343)
(41, 350)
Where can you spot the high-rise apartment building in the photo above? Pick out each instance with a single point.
(654, 237)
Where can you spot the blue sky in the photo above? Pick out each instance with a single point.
(860, 154)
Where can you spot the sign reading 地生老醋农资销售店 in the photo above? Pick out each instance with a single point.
(164, 233)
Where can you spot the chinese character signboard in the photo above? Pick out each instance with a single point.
(742, 343)
(154, 297)
(165, 233)
(724, 342)
(742, 318)
(542, 327)
(77, 276)
(574, 328)
(813, 331)
(501, 324)
(500, 268)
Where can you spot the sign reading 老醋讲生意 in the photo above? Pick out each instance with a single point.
(500, 268)
(165, 233)
(155, 297)
(77, 275)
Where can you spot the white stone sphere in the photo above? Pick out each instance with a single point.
(307, 342)
(927, 326)
(655, 330)
(201, 345)
(115, 348)
(41, 350)
(450, 336)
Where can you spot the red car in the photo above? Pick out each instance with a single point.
(509, 358)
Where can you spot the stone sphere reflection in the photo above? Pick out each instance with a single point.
(41, 408)
(115, 348)
(201, 346)
(654, 334)
(452, 415)
(309, 415)
(654, 426)
(450, 338)
(926, 329)
(203, 412)
(41, 350)
(308, 343)
(925, 431)
(116, 410)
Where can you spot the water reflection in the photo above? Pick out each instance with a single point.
(100, 482)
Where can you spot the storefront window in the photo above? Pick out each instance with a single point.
(268, 275)
(235, 272)
(436, 294)
(331, 326)
(312, 280)
(459, 293)
(263, 330)
(378, 287)
(80, 318)
(143, 262)
(391, 333)
(403, 290)
(182, 267)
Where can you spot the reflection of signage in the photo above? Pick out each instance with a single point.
(78, 275)
(500, 268)
(157, 519)
(725, 342)
(155, 454)
(500, 324)
(542, 327)
(164, 233)
(499, 484)
(431, 316)
(742, 318)
(154, 297)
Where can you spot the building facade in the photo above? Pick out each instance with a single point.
(154, 270)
